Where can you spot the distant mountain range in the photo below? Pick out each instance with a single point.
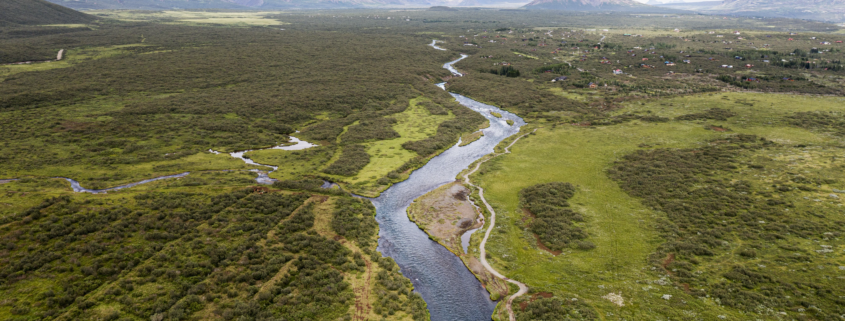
(590, 5)
(38, 12)
(826, 10)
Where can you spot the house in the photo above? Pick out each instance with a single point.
(669, 63)
(790, 39)
(720, 36)
(645, 59)
(593, 85)
(737, 33)
(766, 61)
(840, 41)
(618, 72)
(752, 79)
(561, 78)
(824, 43)
(686, 61)
(748, 65)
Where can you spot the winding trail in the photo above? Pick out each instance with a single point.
(522, 287)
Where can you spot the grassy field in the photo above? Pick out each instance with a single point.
(623, 229)
(233, 19)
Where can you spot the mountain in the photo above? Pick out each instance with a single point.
(827, 10)
(588, 5)
(38, 12)
(691, 6)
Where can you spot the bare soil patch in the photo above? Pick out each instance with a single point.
(445, 214)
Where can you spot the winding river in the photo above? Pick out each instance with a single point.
(448, 287)
(451, 291)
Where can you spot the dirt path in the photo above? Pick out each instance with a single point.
(522, 287)
(59, 56)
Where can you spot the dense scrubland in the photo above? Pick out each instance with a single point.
(204, 249)
(669, 192)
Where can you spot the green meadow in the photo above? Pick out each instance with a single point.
(624, 230)
(413, 124)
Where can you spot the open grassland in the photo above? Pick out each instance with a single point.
(626, 231)
(233, 19)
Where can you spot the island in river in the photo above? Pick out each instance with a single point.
(446, 214)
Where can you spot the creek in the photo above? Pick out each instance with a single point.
(451, 291)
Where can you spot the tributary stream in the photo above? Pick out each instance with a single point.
(451, 291)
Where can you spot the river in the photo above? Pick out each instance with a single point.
(448, 287)
(451, 291)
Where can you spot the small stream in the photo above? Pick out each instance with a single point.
(264, 176)
(450, 289)
(78, 188)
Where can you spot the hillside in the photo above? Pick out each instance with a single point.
(38, 12)
(588, 5)
(826, 10)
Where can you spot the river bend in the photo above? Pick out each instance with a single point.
(451, 291)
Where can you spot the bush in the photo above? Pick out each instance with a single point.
(352, 160)
(553, 217)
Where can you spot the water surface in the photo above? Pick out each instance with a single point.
(451, 291)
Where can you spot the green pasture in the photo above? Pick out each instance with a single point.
(620, 226)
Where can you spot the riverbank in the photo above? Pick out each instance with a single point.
(446, 214)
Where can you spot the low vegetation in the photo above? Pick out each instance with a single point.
(553, 221)
(702, 183)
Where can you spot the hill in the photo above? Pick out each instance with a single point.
(589, 5)
(38, 12)
(826, 10)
